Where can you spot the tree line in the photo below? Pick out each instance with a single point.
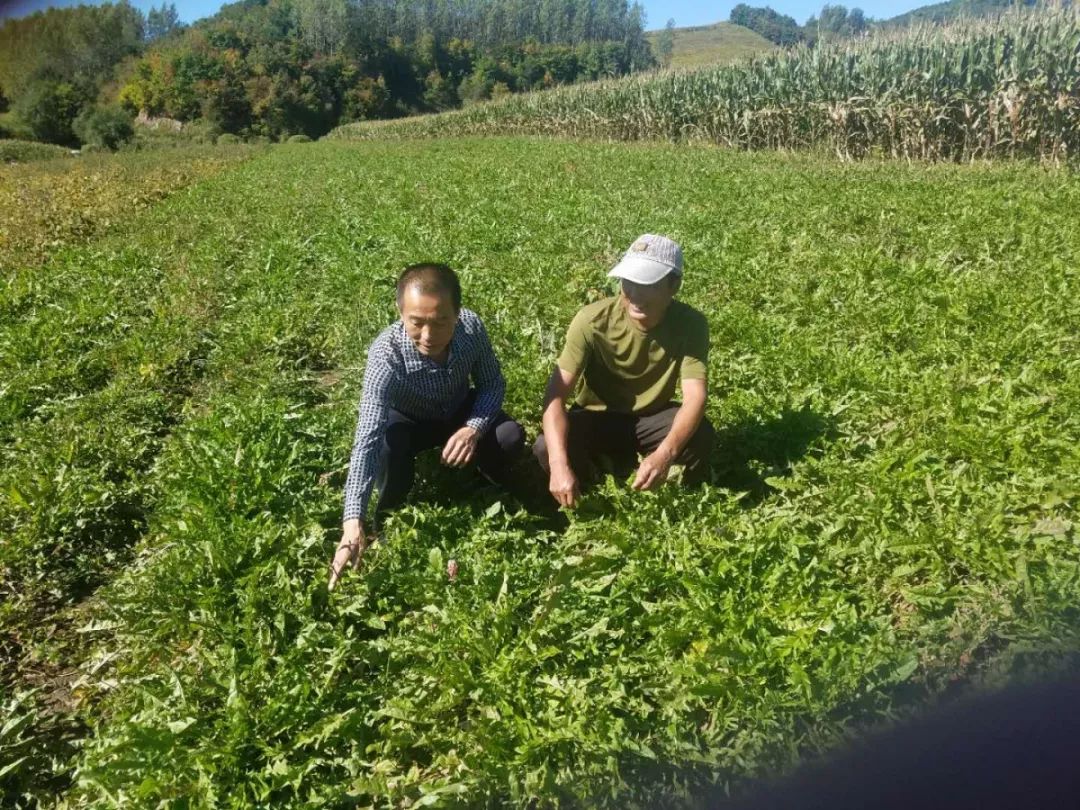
(51, 65)
(276, 68)
(839, 22)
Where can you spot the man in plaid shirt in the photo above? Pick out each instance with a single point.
(417, 395)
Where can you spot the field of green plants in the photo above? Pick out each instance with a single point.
(971, 90)
(895, 379)
(51, 200)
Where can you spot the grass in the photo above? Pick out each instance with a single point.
(12, 151)
(72, 330)
(59, 201)
(894, 379)
(61, 404)
(717, 44)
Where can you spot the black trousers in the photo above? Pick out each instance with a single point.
(405, 437)
(621, 436)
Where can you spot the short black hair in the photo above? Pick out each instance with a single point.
(430, 278)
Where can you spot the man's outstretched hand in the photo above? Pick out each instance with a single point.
(460, 447)
(349, 551)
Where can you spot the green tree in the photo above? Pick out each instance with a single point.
(279, 67)
(637, 55)
(439, 93)
(836, 22)
(475, 87)
(108, 127)
(160, 22)
(367, 99)
(323, 24)
(49, 108)
(52, 62)
(226, 107)
(78, 45)
(775, 27)
(665, 43)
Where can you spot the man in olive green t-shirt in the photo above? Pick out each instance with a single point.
(630, 352)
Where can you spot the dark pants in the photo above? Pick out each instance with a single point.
(620, 437)
(405, 437)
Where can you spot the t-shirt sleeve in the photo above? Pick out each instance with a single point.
(695, 361)
(575, 353)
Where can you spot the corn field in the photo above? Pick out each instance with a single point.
(972, 90)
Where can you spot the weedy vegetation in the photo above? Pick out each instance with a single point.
(975, 89)
(895, 378)
(716, 44)
(71, 504)
(60, 200)
(12, 151)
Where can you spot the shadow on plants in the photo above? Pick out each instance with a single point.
(1008, 749)
(41, 730)
(747, 453)
(438, 485)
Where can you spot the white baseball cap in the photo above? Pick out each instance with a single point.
(649, 259)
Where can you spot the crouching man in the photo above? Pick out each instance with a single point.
(630, 352)
(416, 396)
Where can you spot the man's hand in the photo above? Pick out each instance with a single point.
(460, 447)
(349, 551)
(653, 470)
(564, 485)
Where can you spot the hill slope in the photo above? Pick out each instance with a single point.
(949, 10)
(719, 43)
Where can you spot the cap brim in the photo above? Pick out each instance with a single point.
(641, 270)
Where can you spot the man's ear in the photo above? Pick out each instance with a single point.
(675, 281)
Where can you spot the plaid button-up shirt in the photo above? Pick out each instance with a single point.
(399, 377)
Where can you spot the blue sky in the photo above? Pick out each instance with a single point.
(685, 12)
(190, 10)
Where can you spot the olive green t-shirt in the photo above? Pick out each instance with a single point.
(627, 370)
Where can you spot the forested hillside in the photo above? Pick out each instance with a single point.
(836, 21)
(950, 10)
(52, 64)
(276, 68)
(297, 66)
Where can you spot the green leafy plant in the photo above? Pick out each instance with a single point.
(49, 109)
(12, 151)
(104, 127)
(893, 379)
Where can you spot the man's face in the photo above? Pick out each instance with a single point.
(429, 321)
(647, 304)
